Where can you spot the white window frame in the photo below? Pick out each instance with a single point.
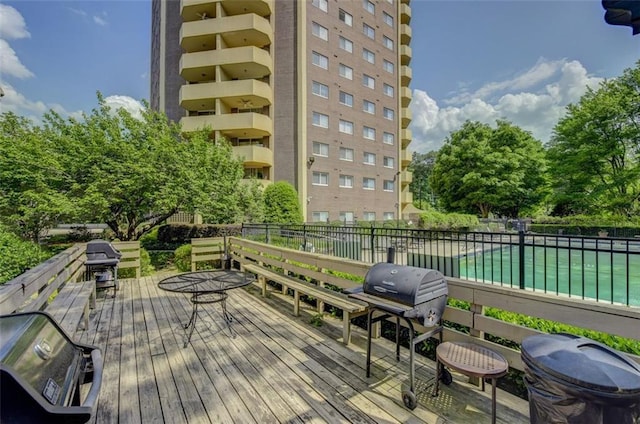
(388, 66)
(345, 71)
(319, 60)
(388, 162)
(368, 107)
(366, 185)
(369, 31)
(388, 19)
(369, 158)
(346, 181)
(369, 133)
(369, 56)
(389, 138)
(369, 6)
(369, 216)
(388, 216)
(369, 81)
(345, 17)
(389, 185)
(320, 149)
(346, 99)
(388, 90)
(345, 44)
(347, 216)
(346, 154)
(321, 4)
(320, 120)
(319, 89)
(320, 178)
(388, 113)
(388, 42)
(345, 127)
(320, 216)
(320, 31)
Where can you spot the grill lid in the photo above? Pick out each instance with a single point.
(101, 252)
(405, 284)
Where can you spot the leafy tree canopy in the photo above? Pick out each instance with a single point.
(281, 204)
(486, 170)
(595, 150)
(421, 167)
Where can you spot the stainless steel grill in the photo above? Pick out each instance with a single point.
(410, 293)
(42, 371)
(102, 263)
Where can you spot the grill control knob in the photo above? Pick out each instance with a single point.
(43, 350)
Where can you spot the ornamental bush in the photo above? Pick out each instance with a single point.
(17, 255)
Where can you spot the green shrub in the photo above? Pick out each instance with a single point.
(176, 235)
(434, 220)
(161, 259)
(182, 258)
(146, 268)
(17, 255)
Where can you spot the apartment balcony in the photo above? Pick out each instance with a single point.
(237, 93)
(240, 62)
(254, 155)
(231, 125)
(405, 14)
(236, 31)
(405, 75)
(405, 157)
(405, 34)
(406, 197)
(406, 177)
(405, 117)
(405, 55)
(405, 137)
(193, 10)
(405, 96)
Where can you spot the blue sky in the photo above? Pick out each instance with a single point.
(482, 60)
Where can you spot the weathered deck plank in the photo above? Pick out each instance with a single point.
(278, 369)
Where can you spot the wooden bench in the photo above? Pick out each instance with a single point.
(350, 308)
(56, 279)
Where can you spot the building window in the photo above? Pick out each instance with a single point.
(388, 90)
(345, 17)
(388, 162)
(369, 133)
(319, 31)
(369, 56)
(346, 181)
(320, 60)
(320, 216)
(388, 113)
(369, 216)
(388, 42)
(345, 71)
(346, 99)
(321, 4)
(388, 216)
(320, 149)
(389, 185)
(345, 127)
(368, 107)
(346, 44)
(388, 66)
(346, 154)
(388, 19)
(369, 183)
(369, 31)
(369, 158)
(388, 138)
(369, 6)
(320, 120)
(320, 89)
(368, 81)
(347, 216)
(320, 178)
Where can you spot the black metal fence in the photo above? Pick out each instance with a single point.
(599, 268)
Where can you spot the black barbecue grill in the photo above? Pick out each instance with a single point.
(42, 371)
(102, 263)
(414, 294)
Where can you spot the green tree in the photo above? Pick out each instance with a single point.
(281, 204)
(251, 202)
(31, 179)
(485, 170)
(132, 174)
(595, 150)
(421, 167)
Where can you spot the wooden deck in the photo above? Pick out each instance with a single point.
(279, 368)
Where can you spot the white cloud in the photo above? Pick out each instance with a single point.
(127, 103)
(536, 111)
(10, 64)
(16, 102)
(78, 12)
(12, 23)
(100, 21)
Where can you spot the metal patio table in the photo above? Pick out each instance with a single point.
(210, 286)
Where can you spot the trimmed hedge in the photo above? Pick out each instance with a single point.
(17, 255)
(179, 234)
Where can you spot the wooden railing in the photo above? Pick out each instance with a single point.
(206, 249)
(612, 319)
(130, 255)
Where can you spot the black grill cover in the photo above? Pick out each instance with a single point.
(405, 284)
(101, 252)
